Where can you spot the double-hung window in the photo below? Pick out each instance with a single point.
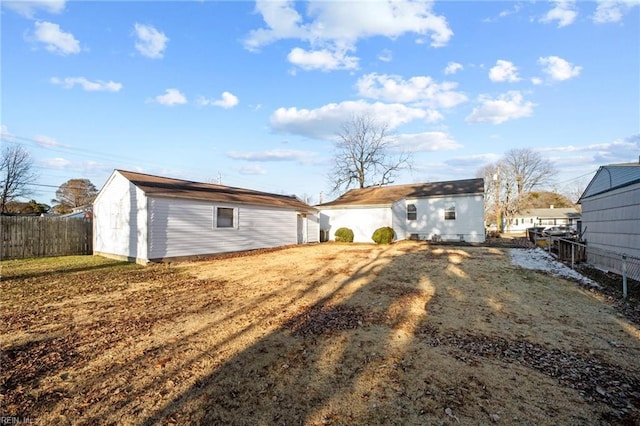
(450, 212)
(225, 217)
(412, 212)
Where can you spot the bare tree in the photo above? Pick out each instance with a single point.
(527, 169)
(74, 193)
(363, 155)
(511, 179)
(575, 189)
(16, 173)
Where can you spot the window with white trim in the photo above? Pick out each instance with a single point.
(224, 217)
(412, 212)
(450, 212)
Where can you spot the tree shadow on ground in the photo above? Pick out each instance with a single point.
(373, 351)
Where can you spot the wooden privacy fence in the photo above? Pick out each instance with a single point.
(24, 237)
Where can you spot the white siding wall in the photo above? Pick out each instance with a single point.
(468, 224)
(119, 220)
(363, 221)
(612, 220)
(524, 223)
(179, 227)
(313, 228)
(399, 213)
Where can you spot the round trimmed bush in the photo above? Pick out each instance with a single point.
(383, 235)
(344, 235)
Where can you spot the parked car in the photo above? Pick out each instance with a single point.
(559, 231)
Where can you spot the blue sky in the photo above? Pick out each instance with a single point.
(252, 94)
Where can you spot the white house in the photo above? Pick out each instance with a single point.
(143, 218)
(452, 210)
(521, 221)
(611, 215)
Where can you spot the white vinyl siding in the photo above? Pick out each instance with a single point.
(313, 228)
(363, 221)
(468, 224)
(399, 220)
(430, 219)
(179, 227)
(119, 220)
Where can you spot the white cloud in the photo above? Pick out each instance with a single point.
(29, 8)
(422, 90)
(630, 144)
(609, 11)
(337, 26)
(426, 142)
(272, 155)
(324, 60)
(536, 81)
(476, 161)
(55, 163)
(452, 68)
(325, 122)
(508, 106)
(227, 100)
(504, 13)
(624, 150)
(385, 55)
(251, 169)
(504, 71)
(151, 42)
(433, 116)
(559, 69)
(54, 39)
(46, 141)
(5, 135)
(89, 86)
(171, 97)
(564, 12)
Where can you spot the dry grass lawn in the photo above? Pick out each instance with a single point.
(321, 334)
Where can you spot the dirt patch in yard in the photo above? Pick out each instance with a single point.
(323, 334)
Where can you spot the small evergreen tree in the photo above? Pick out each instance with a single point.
(344, 235)
(383, 235)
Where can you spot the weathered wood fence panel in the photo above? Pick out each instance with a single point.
(24, 237)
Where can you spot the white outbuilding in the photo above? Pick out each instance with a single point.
(444, 211)
(145, 218)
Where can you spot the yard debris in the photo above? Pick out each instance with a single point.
(327, 319)
(592, 377)
(449, 413)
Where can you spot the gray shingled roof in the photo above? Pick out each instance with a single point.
(611, 177)
(554, 213)
(386, 195)
(169, 187)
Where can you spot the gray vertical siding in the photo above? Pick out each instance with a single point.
(179, 227)
(612, 220)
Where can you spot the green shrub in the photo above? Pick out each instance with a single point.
(383, 235)
(344, 235)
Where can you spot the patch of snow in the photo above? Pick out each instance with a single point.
(540, 260)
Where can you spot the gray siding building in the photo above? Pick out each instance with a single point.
(611, 215)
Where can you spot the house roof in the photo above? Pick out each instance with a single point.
(384, 195)
(554, 213)
(169, 187)
(611, 177)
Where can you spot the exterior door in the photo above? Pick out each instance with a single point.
(302, 229)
